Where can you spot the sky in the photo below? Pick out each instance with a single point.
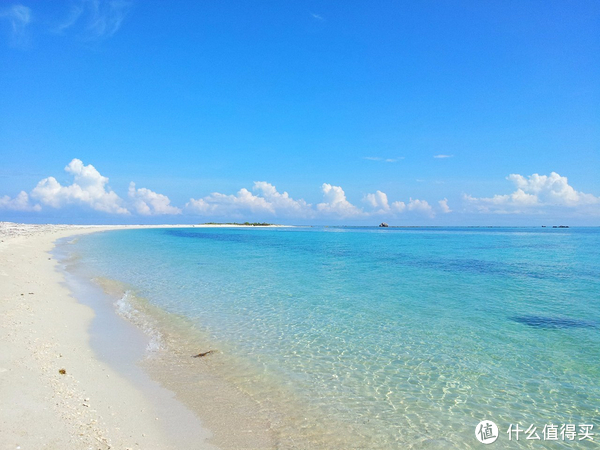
(300, 112)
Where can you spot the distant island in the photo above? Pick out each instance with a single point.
(246, 224)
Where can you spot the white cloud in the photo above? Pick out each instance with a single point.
(149, 203)
(420, 206)
(283, 203)
(380, 205)
(18, 17)
(317, 16)
(335, 203)
(74, 15)
(442, 156)
(88, 188)
(217, 204)
(552, 189)
(267, 201)
(535, 194)
(19, 203)
(398, 207)
(378, 201)
(96, 19)
(379, 158)
(444, 206)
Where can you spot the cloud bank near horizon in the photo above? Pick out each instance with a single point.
(536, 194)
(89, 190)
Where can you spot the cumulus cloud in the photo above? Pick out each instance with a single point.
(19, 203)
(444, 206)
(282, 202)
(553, 189)
(380, 205)
(266, 201)
(335, 203)
(149, 203)
(88, 188)
(96, 19)
(378, 201)
(398, 206)
(18, 17)
(517, 202)
(420, 206)
(534, 194)
(218, 204)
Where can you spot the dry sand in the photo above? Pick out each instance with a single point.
(44, 331)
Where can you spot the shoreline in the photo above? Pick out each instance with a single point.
(47, 329)
(240, 405)
(56, 314)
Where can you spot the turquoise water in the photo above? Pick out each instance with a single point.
(412, 336)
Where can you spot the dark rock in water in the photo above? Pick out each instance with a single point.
(552, 322)
(383, 225)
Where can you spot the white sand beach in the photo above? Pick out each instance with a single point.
(56, 393)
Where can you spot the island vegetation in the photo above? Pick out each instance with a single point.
(247, 224)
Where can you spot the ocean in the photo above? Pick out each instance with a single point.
(385, 338)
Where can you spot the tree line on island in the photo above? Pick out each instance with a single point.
(248, 224)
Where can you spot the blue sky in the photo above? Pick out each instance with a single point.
(216, 109)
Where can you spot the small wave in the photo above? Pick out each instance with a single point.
(125, 308)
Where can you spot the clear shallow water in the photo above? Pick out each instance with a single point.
(411, 336)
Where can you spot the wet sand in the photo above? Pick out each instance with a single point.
(57, 390)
